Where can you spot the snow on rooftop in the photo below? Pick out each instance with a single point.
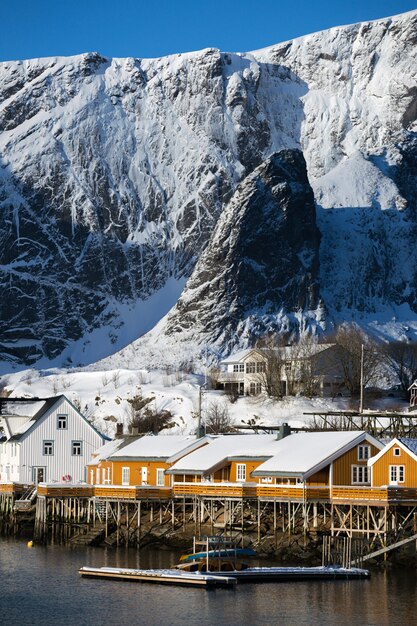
(160, 446)
(105, 451)
(301, 452)
(237, 356)
(287, 352)
(23, 409)
(226, 446)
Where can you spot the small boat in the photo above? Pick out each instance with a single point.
(162, 576)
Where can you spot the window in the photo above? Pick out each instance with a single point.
(361, 475)
(48, 448)
(239, 367)
(258, 388)
(260, 367)
(125, 475)
(160, 477)
(397, 452)
(364, 453)
(266, 479)
(250, 368)
(62, 422)
(241, 472)
(252, 389)
(396, 474)
(77, 448)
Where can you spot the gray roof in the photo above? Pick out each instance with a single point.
(48, 404)
(411, 444)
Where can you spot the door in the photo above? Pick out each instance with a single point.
(38, 475)
(144, 475)
(396, 474)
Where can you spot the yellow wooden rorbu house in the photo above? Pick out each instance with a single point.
(224, 467)
(140, 461)
(318, 465)
(395, 467)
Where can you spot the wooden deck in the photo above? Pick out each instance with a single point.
(293, 492)
(216, 490)
(374, 495)
(286, 493)
(13, 488)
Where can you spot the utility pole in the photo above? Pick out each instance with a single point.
(361, 389)
(200, 429)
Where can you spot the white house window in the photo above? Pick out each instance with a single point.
(361, 475)
(397, 451)
(260, 367)
(62, 422)
(258, 388)
(250, 368)
(396, 474)
(252, 389)
(239, 367)
(77, 448)
(241, 472)
(364, 453)
(48, 448)
(125, 475)
(160, 477)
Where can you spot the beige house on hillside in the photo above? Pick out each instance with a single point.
(314, 370)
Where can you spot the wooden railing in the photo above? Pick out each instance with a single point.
(383, 494)
(11, 487)
(145, 492)
(227, 490)
(64, 490)
(339, 494)
(293, 492)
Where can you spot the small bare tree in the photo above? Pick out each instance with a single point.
(401, 357)
(271, 378)
(350, 339)
(218, 419)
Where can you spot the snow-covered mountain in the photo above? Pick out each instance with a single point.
(127, 183)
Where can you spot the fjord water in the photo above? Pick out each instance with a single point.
(41, 586)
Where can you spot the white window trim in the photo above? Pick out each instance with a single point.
(241, 471)
(362, 455)
(361, 470)
(160, 477)
(399, 469)
(125, 475)
(397, 451)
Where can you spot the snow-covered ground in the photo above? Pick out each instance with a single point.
(103, 397)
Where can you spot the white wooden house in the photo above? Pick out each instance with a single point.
(51, 442)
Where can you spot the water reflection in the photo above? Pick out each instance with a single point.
(42, 586)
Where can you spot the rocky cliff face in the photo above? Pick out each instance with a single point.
(259, 272)
(115, 173)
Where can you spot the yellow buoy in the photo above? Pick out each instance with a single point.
(30, 544)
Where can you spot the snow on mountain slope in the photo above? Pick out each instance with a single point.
(114, 174)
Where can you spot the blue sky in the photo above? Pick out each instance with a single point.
(151, 28)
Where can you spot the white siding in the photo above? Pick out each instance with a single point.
(62, 462)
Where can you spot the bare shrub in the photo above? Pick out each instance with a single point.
(65, 382)
(105, 379)
(148, 418)
(218, 419)
(116, 378)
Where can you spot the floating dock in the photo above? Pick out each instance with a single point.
(283, 574)
(161, 576)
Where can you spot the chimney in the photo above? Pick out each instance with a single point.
(119, 431)
(284, 431)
